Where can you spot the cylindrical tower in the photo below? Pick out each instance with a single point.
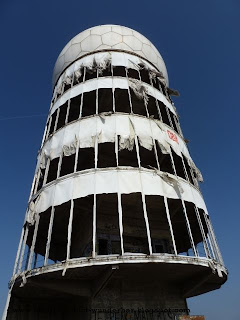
(115, 217)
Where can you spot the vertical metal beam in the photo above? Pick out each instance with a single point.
(170, 225)
(18, 252)
(23, 249)
(70, 230)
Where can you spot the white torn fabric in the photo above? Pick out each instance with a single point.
(164, 147)
(109, 125)
(67, 80)
(172, 180)
(111, 181)
(139, 89)
(70, 149)
(31, 216)
(127, 141)
(78, 74)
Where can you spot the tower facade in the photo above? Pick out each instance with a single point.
(115, 219)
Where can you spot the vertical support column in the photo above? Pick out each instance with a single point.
(70, 230)
(23, 249)
(18, 252)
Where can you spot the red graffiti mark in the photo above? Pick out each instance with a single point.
(172, 136)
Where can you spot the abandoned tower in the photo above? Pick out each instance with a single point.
(115, 217)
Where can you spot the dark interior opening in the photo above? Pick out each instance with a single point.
(164, 114)
(134, 226)
(89, 103)
(90, 74)
(128, 157)
(193, 221)
(41, 178)
(106, 155)
(122, 103)
(107, 224)
(107, 72)
(82, 226)
(188, 169)
(85, 159)
(179, 225)
(62, 115)
(59, 238)
(138, 105)
(105, 100)
(158, 224)
(145, 76)
(119, 71)
(147, 157)
(67, 165)
(152, 107)
(178, 165)
(132, 73)
(54, 115)
(155, 82)
(74, 109)
(52, 171)
(42, 233)
(78, 80)
(66, 87)
(172, 116)
(164, 160)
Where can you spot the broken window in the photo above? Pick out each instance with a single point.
(158, 224)
(107, 72)
(119, 71)
(128, 157)
(89, 103)
(90, 73)
(122, 103)
(41, 178)
(188, 169)
(42, 235)
(53, 169)
(138, 105)
(105, 100)
(179, 226)
(164, 160)
(78, 76)
(106, 155)
(132, 73)
(85, 159)
(152, 107)
(164, 114)
(82, 226)
(62, 115)
(193, 221)
(67, 165)
(178, 165)
(107, 225)
(54, 115)
(74, 108)
(59, 238)
(134, 227)
(147, 157)
(145, 75)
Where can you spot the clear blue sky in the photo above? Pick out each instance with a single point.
(199, 41)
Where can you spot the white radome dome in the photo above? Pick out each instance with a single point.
(108, 37)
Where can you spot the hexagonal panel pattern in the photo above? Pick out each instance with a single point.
(108, 37)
